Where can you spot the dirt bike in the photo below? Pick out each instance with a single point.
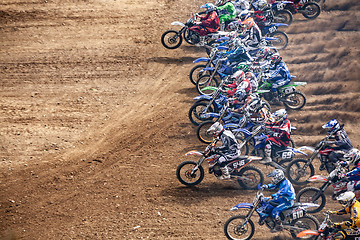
(302, 169)
(316, 195)
(191, 173)
(308, 8)
(172, 39)
(326, 231)
(294, 219)
(288, 95)
(281, 39)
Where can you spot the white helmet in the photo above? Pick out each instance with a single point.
(215, 129)
(280, 115)
(353, 156)
(333, 126)
(277, 176)
(255, 105)
(260, 4)
(346, 199)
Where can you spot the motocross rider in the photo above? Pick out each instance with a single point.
(280, 137)
(279, 75)
(210, 23)
(352, 158)
(352, 206)
(250, 32)
(229, 151)
(229, 15)
(342, 141)
(282, 199)
(241, 5)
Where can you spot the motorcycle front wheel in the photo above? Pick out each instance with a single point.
(295, 100)
(205, 81)
(171, 39)
(253, 177)
(184, 175)
(283, 16)
(202, 134)
(311, 10)
(281, 41)
(297, 173)
(235, 229)
(196, 111)
(312, 195)
(196, 73)
(307, 222)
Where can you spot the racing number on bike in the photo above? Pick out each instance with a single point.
(272, 29)
(239, 164)
(286, 155)
(298, 214)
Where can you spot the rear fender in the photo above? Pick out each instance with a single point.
(242, 206)
(243, 130)
(270, 38)
(201, 59)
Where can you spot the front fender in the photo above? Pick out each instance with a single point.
(213, 115)
(178, 23)
(295, 150)
(203, 97)
(306, 148)
(208, 69)
(300, 83)
(242, 206)
(201, 59)
(194, 152)
(305, 233)
(281, 24)
(318, 178)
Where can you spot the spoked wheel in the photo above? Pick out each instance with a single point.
(283, 16)
(281, 40)
(295, 100)
(297, 173)
(202, 134)
(187, 176)
(196, 72)
(312, 195)
(236, 229)
(196, 113)
(311, 10)
(307, 222)
(253, 176)
(206, 81)
(171, 39)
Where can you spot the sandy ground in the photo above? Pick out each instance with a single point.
(94, 117)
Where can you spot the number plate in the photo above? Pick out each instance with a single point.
(289, 90)
(280, 6)
(297, 214)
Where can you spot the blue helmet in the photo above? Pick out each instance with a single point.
(209, 7)
(333, 125)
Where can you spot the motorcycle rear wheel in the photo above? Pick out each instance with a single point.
(233, 228)
(296, 174)
(283, 16)
(311, 10)
(282, 39)
(183, 173)
(304, 223)
(312, 195)
(295, 100)
(255, 177)
(171, 39)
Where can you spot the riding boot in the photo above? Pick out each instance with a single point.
(278, 226)
(225, 173)
(267, 158)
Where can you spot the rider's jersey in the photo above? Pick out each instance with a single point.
(342, 140)
(241, 5)
(211, 21)
(238, 55)
(283, 130)
(229, 7)
(354, 214)
(280, 69)
(286, 190)
(252, 36)
(244, 84)
(230, 144)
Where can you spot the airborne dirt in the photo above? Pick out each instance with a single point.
(94, 117)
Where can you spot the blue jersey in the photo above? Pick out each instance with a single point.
(280, 69)
(286, 190)
(354, 175)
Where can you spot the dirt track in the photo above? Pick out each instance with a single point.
(94, 117)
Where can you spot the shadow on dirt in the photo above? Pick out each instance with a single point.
(180, 61)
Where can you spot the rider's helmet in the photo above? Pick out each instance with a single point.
(247, 23)
(333, 126)
(277, 176)
(276, 58)
(280, 115)
(238, 75)
(353, 156)
(346, 199)
(260, 4)
(215, 129)
(244, 15)
(263, 53)
(243, 66)
(209, 7)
